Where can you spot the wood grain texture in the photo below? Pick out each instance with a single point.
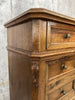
(57, 94)
(56, 36)
(68, 96)
(56, 67)
(39, 35)
(60, 80)
(20, 77)
(23, 36)
(37, 50)
(46, 55)
(42, 81)
(40, 13)
(20, 36)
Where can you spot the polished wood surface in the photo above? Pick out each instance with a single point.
(60, 80)
(56, 36)
(41, 56)
(60, 66)
(40, 13)
(20, 77)
(27, 39)
(58, 93)
(69, 96)
(24, 39)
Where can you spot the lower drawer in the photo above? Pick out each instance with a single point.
(69, 96)
(60, 92)
(59, 81)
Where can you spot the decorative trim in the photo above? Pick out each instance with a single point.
(45, 55)
(40, 13)
(35, 74)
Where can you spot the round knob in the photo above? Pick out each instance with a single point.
(64, 66)
(67, 36)
(62, 91)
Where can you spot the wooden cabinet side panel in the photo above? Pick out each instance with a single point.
(20, 78)
(20, 36)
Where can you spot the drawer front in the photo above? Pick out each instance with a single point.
(60, 66)
(60, 36)
(60, 92)
(69, 96)
(57, 82)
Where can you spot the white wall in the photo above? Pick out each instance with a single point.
(12, 8)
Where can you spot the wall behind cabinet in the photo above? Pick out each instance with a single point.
(12, 8)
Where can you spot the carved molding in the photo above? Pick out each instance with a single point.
(35, 74)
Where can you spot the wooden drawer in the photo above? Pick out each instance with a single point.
(60, 92)
(59, 81)
(60, 66)
(69, 96)
(60, 36)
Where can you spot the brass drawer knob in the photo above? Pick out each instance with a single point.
(62, 91)
(64, 66)
(67, 36)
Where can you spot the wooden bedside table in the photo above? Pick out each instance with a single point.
(41, 55)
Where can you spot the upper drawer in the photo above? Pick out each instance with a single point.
(60, 66)
(60, 36)
(58, 82)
